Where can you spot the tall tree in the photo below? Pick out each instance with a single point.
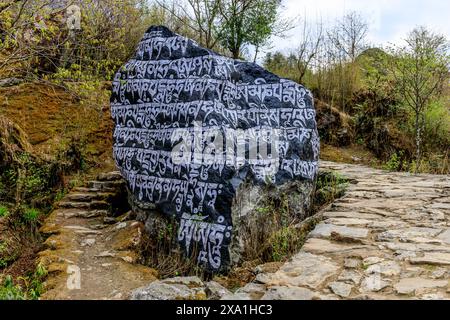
(347, 41)
(421, 70)
(247, 22)
(308, 49)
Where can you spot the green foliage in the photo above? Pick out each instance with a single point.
(421, 72)
(60, 194)
(9, 291)
(432, 163)
(108, 36)
(28, 178)
(31, 287)
(249, 22)
(8, 254)
(281, 65)
(35, 286)
(4, 212)
(398, 98)
(395, 162)
(4, 259)
(437, 125)
(72, 153)
(420, 68)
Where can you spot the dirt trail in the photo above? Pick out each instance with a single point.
(90, 255)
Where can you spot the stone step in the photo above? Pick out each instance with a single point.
(84, 214)
(93, 205)
(110, 176)
(95, 190)
(109, 220)
(88, 197)
(106, 186)
(82, 230)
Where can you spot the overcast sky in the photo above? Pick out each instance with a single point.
(390, 20)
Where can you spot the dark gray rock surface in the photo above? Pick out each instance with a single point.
(197, 134)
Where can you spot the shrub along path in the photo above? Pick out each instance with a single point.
(89, 254)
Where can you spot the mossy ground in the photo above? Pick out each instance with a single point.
(51, 116)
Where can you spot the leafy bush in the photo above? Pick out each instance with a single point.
(285, 242)
(394, 163)
(9, 291)
(72, 154)
(3, 251)
(31, 288)
(34, 283)
(3, 212)
(437, 126)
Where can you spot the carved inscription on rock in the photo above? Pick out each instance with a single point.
(191, 126)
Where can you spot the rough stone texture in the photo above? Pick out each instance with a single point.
(433, 258)
(216, 291)
(252, 291)
(305, 269)
(190, 288)
(373, 283)
(394, 246)
(385, 268)
(173, 104)
(411, 285)
(350, 276)
(341, 289)
(327, 230)
(288, 293)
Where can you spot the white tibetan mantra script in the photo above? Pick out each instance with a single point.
(176, 97)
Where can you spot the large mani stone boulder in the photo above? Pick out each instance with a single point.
(203, 139)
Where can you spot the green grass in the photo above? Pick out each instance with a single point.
(3, 212)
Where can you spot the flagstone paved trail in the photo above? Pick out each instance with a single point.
(387, 238)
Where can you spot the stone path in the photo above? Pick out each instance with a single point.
(88, 253)
(387, 238)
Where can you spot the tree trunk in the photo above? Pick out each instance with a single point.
(256, 54)
(235, 53)
(418, 133)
